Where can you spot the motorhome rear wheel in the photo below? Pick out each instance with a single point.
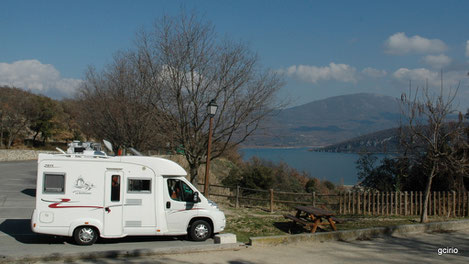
(85, 235)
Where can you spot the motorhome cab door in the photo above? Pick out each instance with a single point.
(178, 204)
(113, 203)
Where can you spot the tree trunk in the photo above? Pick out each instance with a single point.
(35, 135)
(424, 215)
(10, 141)
(194, 172)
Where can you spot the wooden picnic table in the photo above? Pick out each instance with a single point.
(312, 217)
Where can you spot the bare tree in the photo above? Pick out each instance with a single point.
(159, 91)
(193, 66)
(116, 104)
(430, 137)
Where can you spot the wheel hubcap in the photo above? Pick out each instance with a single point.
(201, 231)
(86, 234)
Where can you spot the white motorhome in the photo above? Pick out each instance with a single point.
(88, 195)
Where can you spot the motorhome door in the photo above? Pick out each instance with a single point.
(113, 203)
(179, 204)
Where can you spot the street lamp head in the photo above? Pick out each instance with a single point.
(212, 108)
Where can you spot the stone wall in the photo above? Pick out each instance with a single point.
(20, 154)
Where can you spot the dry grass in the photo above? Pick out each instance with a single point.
(252, 222)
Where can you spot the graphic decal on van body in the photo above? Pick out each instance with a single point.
(82, 187)
(57, 204)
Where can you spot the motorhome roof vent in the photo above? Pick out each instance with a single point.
(86, 148)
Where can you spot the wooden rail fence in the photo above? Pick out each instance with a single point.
(449, 204)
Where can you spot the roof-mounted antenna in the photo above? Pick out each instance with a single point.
(108, 145)
(136, 152)
(60, 150)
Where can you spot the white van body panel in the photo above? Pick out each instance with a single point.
(119, 196)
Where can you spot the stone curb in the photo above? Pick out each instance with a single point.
(359, 234)
(68, 257)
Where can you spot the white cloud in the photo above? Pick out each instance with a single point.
(374, 73)
(400, 44)
(467, 48)
(437, 61)
(38, 77)
(421, 75)
(313, 74)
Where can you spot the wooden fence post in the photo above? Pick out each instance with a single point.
(364, 203)
(431, 205)
(391, 203)
(382, 203)
(314, 199)
(358, 202)
(237, 197)
(459, 204)
(420, 206)
(353, 202)
(373, 208)
(448, 206)
(271, 200)
(454, 204)
(387, 203)
(369, 202)
(405, 203)
(397, 203)
(445, 203)
(349, 201)
(434, 203)
(345, 202)
(340, 203)
(466, 204)
(411, 203)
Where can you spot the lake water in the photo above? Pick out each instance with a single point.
(335, 167)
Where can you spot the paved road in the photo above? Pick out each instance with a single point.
(17, 202)
(420, 248)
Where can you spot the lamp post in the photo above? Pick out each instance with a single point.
(211, 110)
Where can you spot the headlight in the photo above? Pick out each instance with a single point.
(212, 203)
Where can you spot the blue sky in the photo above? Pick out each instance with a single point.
(324, 48)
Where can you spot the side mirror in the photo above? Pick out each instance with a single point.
(195, 198)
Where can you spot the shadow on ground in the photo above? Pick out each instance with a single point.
(20, 230)
(292, 228)
(30, 192)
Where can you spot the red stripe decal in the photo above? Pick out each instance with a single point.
(57, 205)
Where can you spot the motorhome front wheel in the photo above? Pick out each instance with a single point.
(200, 230)
(85, 235)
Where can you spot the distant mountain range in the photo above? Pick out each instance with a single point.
(329, 121)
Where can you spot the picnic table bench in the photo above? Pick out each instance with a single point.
(312, 217)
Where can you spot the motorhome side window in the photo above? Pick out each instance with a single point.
(115, 188)
(54, 183)
(139, 185)
(180, 191)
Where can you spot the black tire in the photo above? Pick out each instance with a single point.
(200, 230)
(85, 235)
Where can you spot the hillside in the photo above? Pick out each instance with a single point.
(384, 141)
(328, 121)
